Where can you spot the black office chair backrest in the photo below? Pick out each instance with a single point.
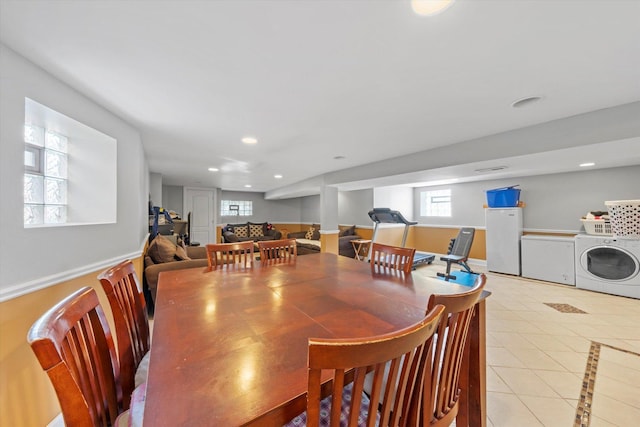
(462, 244)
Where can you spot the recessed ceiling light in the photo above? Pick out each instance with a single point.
(247, 186)
(249, 140)
(213, 169)
(586, 165)
(525, 101)
(277, 176)
(338, 157)
(429, 7)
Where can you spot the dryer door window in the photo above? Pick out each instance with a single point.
(610, 263)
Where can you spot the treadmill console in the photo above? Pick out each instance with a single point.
(387, 216)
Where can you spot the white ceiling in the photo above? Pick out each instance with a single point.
(312, 80)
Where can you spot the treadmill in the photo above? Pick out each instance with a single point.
(387, 216)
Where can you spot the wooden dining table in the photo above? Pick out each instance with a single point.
(229, 346)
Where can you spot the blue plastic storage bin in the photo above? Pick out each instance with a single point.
(506, 197)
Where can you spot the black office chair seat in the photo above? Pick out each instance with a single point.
(458, 253)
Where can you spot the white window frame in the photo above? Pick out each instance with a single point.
(92, 167)
(236, 208)
(435, 203)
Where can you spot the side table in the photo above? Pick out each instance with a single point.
(361, 248)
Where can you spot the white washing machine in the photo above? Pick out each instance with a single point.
(608, 264)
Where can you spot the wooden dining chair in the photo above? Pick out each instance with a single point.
(74, 346)
(128, 306)
(277, 251)
(385, 257)
(440, 402)
(230, 255)
(396, 389)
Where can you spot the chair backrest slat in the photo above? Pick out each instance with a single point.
(128, 306)
(277, 251)
(396, 390)
(74, 346)
(385, 257)
(230, 255)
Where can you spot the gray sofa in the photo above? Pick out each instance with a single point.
(250, 231)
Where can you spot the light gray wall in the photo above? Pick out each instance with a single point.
(172, 197)
(353, 207)
(37, 257)
(310, 209)
(553, 202)
(274, 211)
(155, 189)
(395, 198)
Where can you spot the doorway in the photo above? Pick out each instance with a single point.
(200, 202)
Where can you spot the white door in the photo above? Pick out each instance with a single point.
(200, 202)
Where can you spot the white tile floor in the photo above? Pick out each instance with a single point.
(537, 356)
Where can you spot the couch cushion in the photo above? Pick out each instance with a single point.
(241, 230)
(181, 253)
(161, 249)
(256, 230)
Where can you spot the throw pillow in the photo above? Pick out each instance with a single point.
(181, 253)
(309, 235)
(256, 230)
(242, 231)
(161, 249)
(316, 233)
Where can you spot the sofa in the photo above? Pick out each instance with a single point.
(164, 253)
(308, 242)
(249, 231)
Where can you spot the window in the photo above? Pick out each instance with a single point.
(236, 208)
(70, 171)
(45, 178)
(435, 203)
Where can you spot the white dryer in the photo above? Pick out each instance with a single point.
(608, 264)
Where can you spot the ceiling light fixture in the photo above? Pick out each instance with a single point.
(249, 140)
(338, 157)
(213, 169)
(430, 7)
(586, 165)
(247, 186)
(277, 176)
(525, 101)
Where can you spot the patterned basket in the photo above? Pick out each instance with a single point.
(625, 217)
(598, 227)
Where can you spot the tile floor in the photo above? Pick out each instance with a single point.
(537, 356)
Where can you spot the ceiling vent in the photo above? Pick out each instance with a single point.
(491, 169)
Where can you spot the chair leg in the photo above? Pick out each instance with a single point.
(466, 267)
